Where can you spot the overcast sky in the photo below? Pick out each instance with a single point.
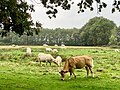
(71, 19)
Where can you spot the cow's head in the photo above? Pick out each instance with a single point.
(62, 73)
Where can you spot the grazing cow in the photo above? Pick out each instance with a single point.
(77, 62)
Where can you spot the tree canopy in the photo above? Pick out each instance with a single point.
(15, 14)
(97, 31)
(52, 5)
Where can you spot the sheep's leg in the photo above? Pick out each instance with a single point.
(87, 69)
(50, 63)
(60, 64)
(91, 71)
(46, 62)
(40, 63)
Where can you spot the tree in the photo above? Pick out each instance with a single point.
(52, 5)
(97, 31)
(14, 16)
(118, 35)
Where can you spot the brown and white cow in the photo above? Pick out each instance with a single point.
(77, 62)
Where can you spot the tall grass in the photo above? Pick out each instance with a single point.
(17, 74)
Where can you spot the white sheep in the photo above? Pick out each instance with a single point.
(13, 45)
(45, 45)
(42, 57)
(48, 49)
(54, 50)
(58, 60)
(63, 46)
(116, 50)
(28, 51)
(55, 45)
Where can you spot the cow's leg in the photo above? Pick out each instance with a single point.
(70, 75)
(91, 71)
(87, 69)
(72, 72)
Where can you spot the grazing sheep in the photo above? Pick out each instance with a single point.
(45, 58)
(55, 45)
(54, 50)
(45, 45)
(58, 61)
(48, 49)
(28, 51)
(116, 50)
(77, 62)
(13, 45)
(63, 46)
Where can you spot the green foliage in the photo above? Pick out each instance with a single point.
(83, 5)
(97, 31)
(118, 35)
(14, 14)
(14, 17)
(48, 36)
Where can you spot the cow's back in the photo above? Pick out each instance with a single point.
(80, 61)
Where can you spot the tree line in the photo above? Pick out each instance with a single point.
(97, 31)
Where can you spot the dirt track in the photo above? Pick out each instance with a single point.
(16, 46)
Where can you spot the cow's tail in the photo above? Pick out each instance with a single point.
(92, 63)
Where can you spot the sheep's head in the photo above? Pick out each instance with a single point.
(54, 60)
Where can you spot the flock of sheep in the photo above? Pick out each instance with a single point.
(48, 58)
(44, 57)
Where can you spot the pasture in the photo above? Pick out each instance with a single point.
(17, 74)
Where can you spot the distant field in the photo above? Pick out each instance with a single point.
(17, 74)
(10, 46)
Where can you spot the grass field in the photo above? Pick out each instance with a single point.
(17, 74)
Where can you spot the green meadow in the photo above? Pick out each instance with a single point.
(16, 73)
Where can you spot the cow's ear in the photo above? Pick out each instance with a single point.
(61, 71)
(65, 71)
